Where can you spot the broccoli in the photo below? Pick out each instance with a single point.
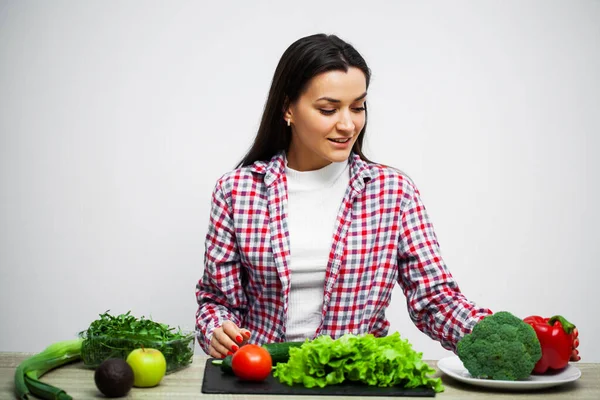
(501, 346)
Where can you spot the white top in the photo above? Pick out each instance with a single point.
(314, 199)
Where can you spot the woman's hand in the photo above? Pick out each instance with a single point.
(575, 352)
(227, 339)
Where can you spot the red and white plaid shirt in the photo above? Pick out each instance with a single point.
(382, 236)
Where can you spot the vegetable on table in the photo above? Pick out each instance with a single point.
(557, 337)
(501, 346)
(280, 352)
(376, 361)
(251, 363)
(116, 336)
(30, 370)
(114, 377)
(225, 365)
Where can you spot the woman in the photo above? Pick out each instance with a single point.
(308, 237)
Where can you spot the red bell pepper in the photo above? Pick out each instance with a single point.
(557, 338)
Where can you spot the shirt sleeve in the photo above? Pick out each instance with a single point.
(219, 293)
(434, 300)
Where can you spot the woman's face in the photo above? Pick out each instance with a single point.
(327, 119)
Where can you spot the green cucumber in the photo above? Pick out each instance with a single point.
(280, 352)
(226, 365)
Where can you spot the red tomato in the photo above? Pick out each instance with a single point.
(251, 363)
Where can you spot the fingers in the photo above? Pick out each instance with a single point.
(213, 352)
(217, 349)
(575, 355)
(246, 333)
(234, 335)
(245, 336)
(227, 339)
(575, 352)
(238, 336)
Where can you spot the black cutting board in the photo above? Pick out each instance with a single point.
(216, 382)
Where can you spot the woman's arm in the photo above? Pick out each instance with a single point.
(435, 303)
(220, 294)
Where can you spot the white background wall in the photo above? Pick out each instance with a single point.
(117, 117)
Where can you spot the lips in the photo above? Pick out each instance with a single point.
(340, 140)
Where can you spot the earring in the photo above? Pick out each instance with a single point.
(288, 121)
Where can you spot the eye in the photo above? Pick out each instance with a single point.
(326, 112)
(359, 109)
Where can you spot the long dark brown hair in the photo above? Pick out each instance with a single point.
(304, 59)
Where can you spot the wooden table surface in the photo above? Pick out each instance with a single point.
(78, 381)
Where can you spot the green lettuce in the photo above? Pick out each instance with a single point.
(384, 361)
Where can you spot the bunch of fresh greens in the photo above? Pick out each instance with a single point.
(385, 361)
(116, 336)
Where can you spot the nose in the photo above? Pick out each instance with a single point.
(345, 123)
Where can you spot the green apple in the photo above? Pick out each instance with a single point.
(149, 366)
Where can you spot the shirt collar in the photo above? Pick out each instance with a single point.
(274, 170)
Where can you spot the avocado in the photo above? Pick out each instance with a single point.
(114, 377)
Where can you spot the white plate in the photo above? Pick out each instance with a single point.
(453, 367)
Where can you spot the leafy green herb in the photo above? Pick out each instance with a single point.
(116, 336)
(385, 361)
